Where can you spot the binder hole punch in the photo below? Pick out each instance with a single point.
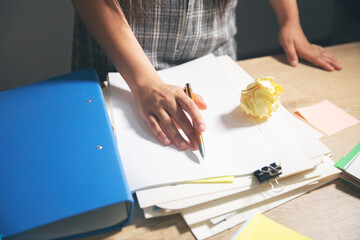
(268, 173)
(99, 147)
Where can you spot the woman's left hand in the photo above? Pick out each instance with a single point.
(296, 46)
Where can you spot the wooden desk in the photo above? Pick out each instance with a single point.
(330, 212)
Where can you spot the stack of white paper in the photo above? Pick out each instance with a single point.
(235, 145)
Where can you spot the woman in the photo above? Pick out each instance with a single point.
(142, 36)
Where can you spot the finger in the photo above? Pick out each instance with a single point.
(322, 52)
(199, 101)
(321, 62)
(190, 107)
(332, 60)
(328, 57)
(184, 123)
(167, 124)
(153, 124)
(337, 65)
(290, 51)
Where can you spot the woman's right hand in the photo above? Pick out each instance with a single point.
(163, 108)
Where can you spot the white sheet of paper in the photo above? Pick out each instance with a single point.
(176, 206)
(228, 204)
(353, 167)
(164, 194)
(300, 134)
(187, 195)
(206, 229)
(203, 199)
(150, 212)
(234, 145)
(241, 79)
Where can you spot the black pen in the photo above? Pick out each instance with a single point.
(199, 138)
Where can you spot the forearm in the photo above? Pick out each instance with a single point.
(286, 12)
(160, 105)
(108, 25)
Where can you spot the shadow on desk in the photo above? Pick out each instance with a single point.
(139, 226)
(347, 188)
(282, 59)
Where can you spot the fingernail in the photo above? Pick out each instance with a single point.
(294, 62)
(183, 145)
(202, 127)
(166, 141)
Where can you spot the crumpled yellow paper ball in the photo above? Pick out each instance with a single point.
(261, 97)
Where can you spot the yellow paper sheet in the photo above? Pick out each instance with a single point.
(225, 179)
(261, 227)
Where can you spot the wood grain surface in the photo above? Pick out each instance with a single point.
(331, 212)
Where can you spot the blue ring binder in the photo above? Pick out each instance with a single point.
(55, 180)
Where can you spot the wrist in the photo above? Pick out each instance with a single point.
(140, 84)
(139, 75)
(290, 22)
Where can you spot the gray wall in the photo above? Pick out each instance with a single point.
(35, 42)
(36, 35)
(325, 22)
(257, 25)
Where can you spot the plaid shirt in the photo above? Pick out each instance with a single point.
(179, 31)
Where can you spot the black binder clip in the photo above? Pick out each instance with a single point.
(268, 172)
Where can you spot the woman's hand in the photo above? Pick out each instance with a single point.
(162, 107)
(294, 41)
(296, 45)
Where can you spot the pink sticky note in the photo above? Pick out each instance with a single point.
(327, 117)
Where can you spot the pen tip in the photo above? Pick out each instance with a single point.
(202, 150)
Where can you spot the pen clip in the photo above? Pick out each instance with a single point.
(189, 91)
